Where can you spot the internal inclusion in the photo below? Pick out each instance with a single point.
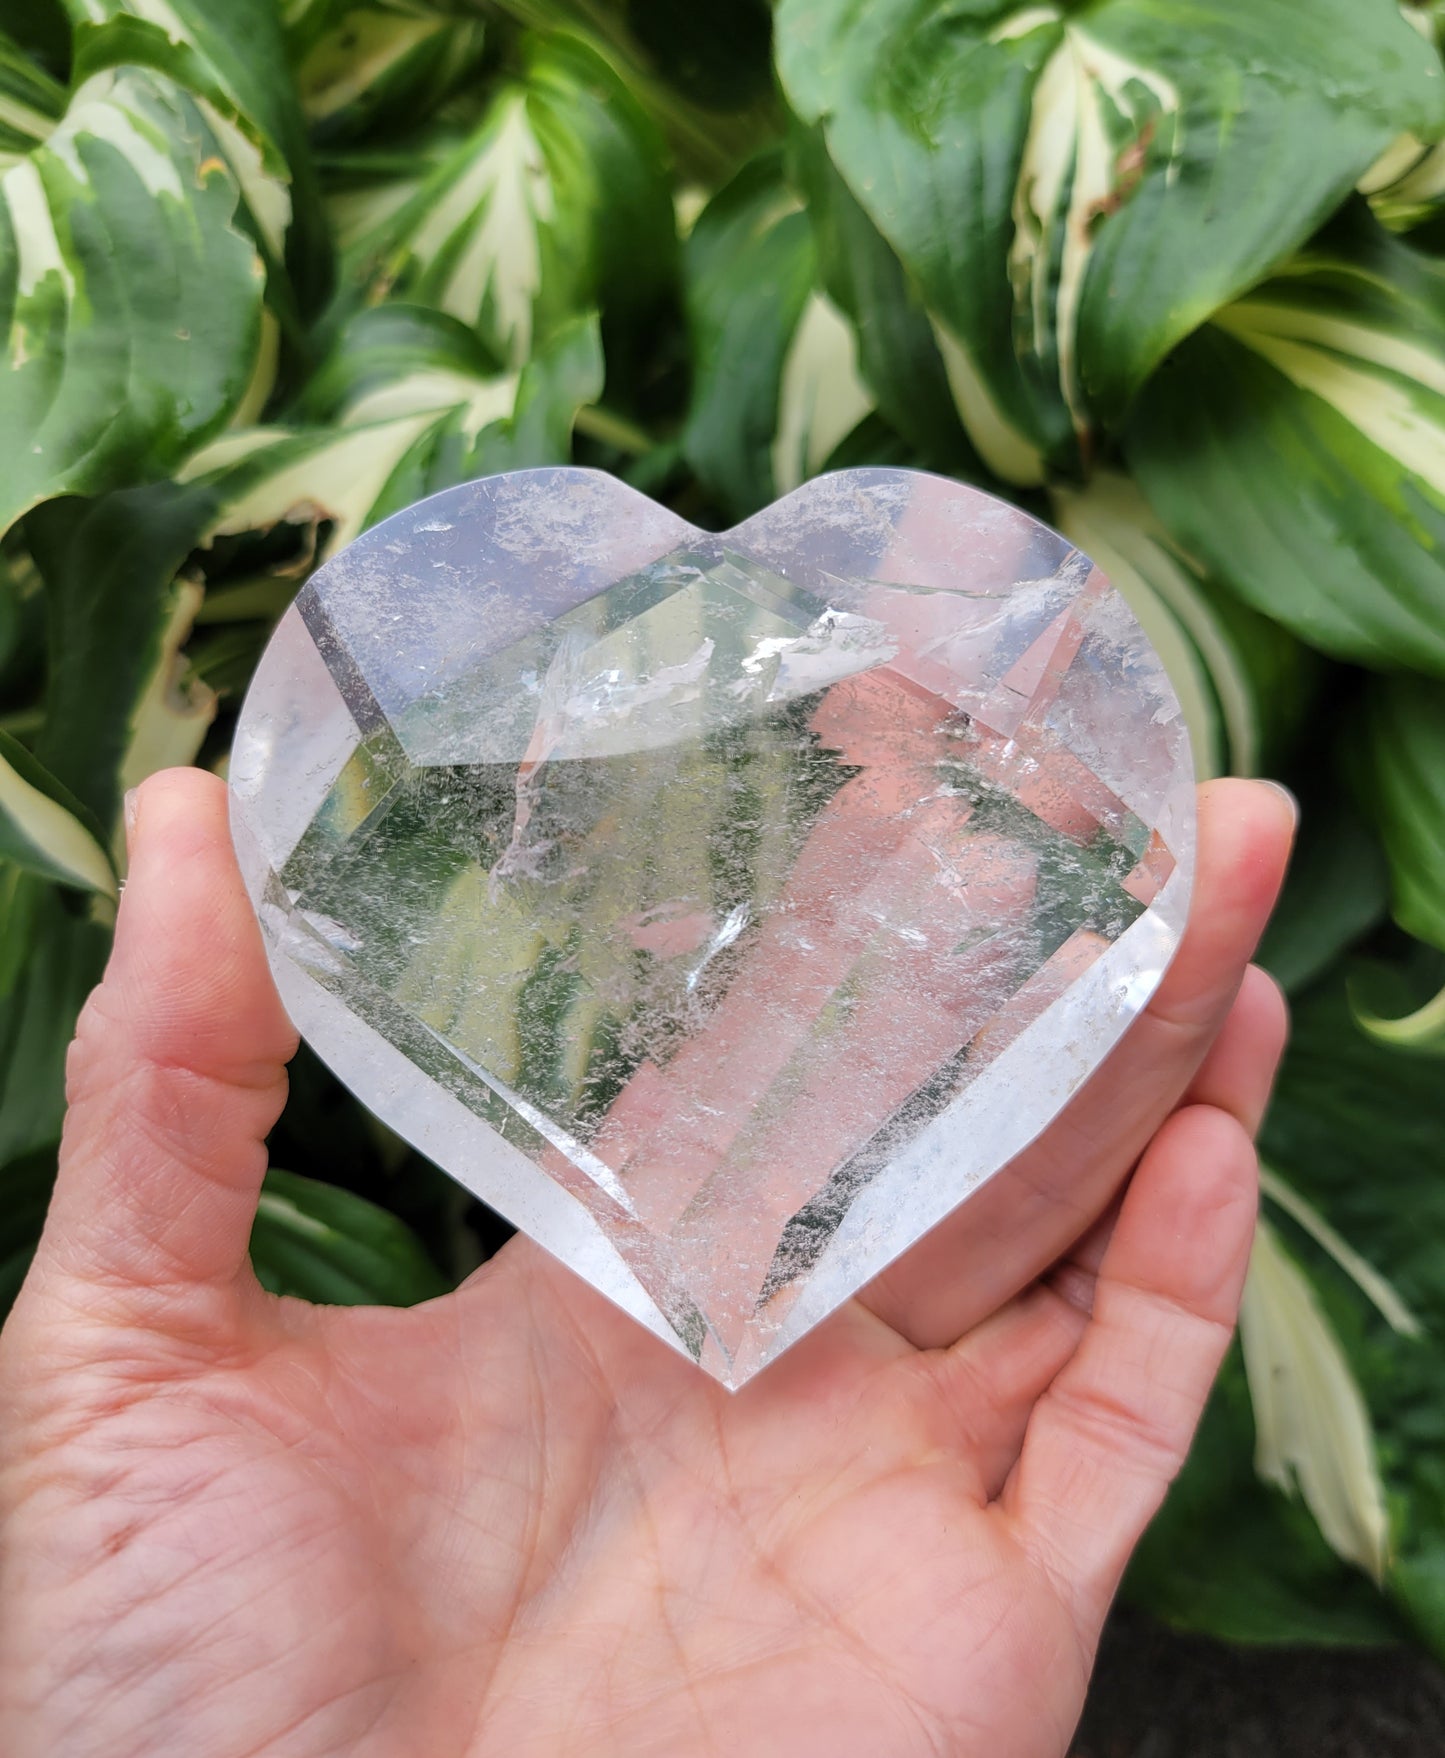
(719, 911)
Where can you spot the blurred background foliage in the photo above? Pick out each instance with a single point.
(1173, 280)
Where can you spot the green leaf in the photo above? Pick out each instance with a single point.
(1365, 1276)
(31, 103)
(377, 67)
(1297, 446)
(324, 1244)
(1076, 190)
(776, 385)
(42, 29)
(118, 704)
(132, 302)
(392, 344)
(22, 623)
(897, 354)
(749, 268)
(701, 72)
(45, 830)
(25, 1186)
(557, 203)
(1388, 1005)
(1336, 891)
(1403, 785)
(1241, 681)
(65, 953)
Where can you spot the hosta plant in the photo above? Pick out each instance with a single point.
(1170, 277)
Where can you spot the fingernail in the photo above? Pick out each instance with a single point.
(130, 808)
(1288, 798)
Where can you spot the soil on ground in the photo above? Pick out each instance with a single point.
(1161, 1695)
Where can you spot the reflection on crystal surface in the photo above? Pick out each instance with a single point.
(764, 897)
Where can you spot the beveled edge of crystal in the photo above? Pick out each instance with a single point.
(279, 819)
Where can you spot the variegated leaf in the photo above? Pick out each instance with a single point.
(175, 709)
(1076, 189)
(381, 65)
(1313, 1433)
(898, 357)
(367, 188)
(556, 203)
(1400, 771)
(133, 301)
(407, 404)
(232, 61)
(1296, 445)
(1419, 1030)
(1403, 783)
(1238, 677)
(123, 702)
(44, 829)
(1376, 1288)
(326, 1244)
(821, 398)
(431, 420)
(31, 103)
(1406, 184)
(703, 73)
(776, 384)
(1353, 1131)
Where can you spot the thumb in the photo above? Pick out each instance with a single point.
(177, 1070)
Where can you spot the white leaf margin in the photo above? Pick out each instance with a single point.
(56, 844)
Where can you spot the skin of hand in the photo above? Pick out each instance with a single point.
(510, 1521)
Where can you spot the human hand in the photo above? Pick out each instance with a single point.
(510, 1521)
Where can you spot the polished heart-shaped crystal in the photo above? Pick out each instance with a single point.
(722, 909)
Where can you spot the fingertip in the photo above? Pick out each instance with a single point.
(1290, 799)
(172, 809)
(1246, 831)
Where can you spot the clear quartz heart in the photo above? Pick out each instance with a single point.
(723, 910)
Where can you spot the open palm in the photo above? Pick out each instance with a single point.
(510, 1521)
